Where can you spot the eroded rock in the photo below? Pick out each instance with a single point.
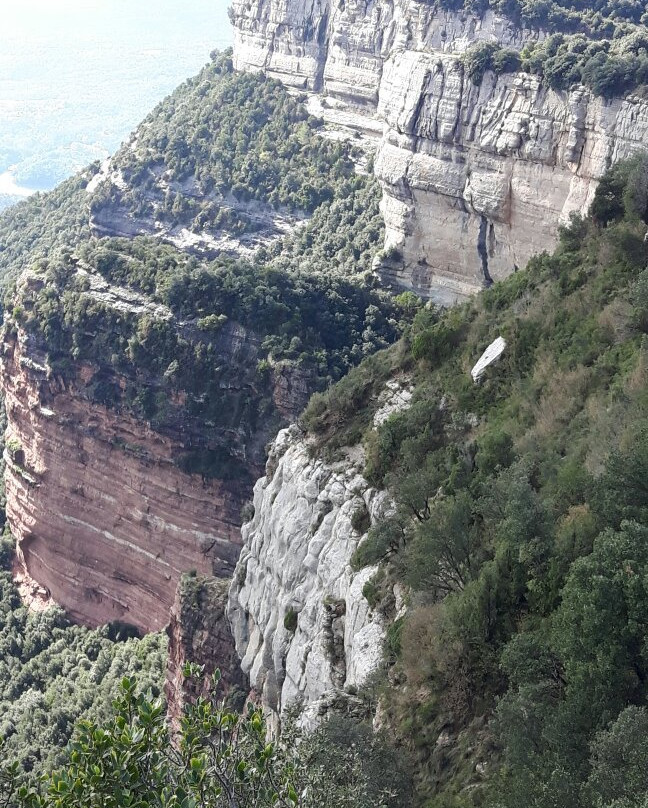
(302, 627)
(476, 179)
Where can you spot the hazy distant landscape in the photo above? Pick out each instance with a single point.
(76, 76)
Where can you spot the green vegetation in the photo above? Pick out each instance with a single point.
(220, 759)
(290, 620)
(341, 238)
(324, 322)
(596, 19)
(45, 222)
(225, 137)
(601, 45)
(305, 304)
(53, 674)
(175, 364)
(522, 523)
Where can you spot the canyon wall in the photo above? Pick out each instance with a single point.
(304, 631)
(102, 516)
(105, 517)
(475, 178)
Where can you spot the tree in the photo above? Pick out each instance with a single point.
(442, 556)
(620, 762)
(220, 760)
(217, 759)
(601, 625)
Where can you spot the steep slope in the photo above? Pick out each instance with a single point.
(142, 385)
(136, 427)
(478, 166)
(226, 164)
(506, 576)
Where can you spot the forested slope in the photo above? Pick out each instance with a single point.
(52, 674)
(521, 525)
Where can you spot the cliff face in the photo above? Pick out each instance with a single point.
(199, 632)
(105, 517)
(102, 516)
(476, 179)
(302, 627)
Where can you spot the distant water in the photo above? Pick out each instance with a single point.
(77, 76)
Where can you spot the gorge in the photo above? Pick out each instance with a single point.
(239, 398)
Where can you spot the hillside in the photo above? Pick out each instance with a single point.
(520, 522)
(241, 408)
(154, 352)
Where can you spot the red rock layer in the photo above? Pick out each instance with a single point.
(102, 516)
(199, 632)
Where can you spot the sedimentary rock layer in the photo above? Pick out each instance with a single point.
(105, 511)
(476, 178)
(103, 517)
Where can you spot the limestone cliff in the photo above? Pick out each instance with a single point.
(476, 179)
(304, 630)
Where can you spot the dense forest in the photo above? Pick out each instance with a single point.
(219, 149)
(522, 523)
(53, 674)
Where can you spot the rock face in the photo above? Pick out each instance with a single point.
(489, 357)
(302, 627)
(199, 632)
(105, 516)
(102, 517)
(476, 179)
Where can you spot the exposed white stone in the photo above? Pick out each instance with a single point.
(295, 559)
(490, 355)
(476, 179)
(396, 397)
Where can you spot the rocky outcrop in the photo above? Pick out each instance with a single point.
(476, 179)
(199, 632)
(116, 217)
(104, 510)
(119, 210)
(303, 629)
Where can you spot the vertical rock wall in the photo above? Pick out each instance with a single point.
(476, 179)
(102, 516)
(303, 629)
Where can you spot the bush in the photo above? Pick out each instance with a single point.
(383, 538)
(361, 520)
(290, 620)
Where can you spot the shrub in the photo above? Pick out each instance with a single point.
(361, 520)
(290, 620)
